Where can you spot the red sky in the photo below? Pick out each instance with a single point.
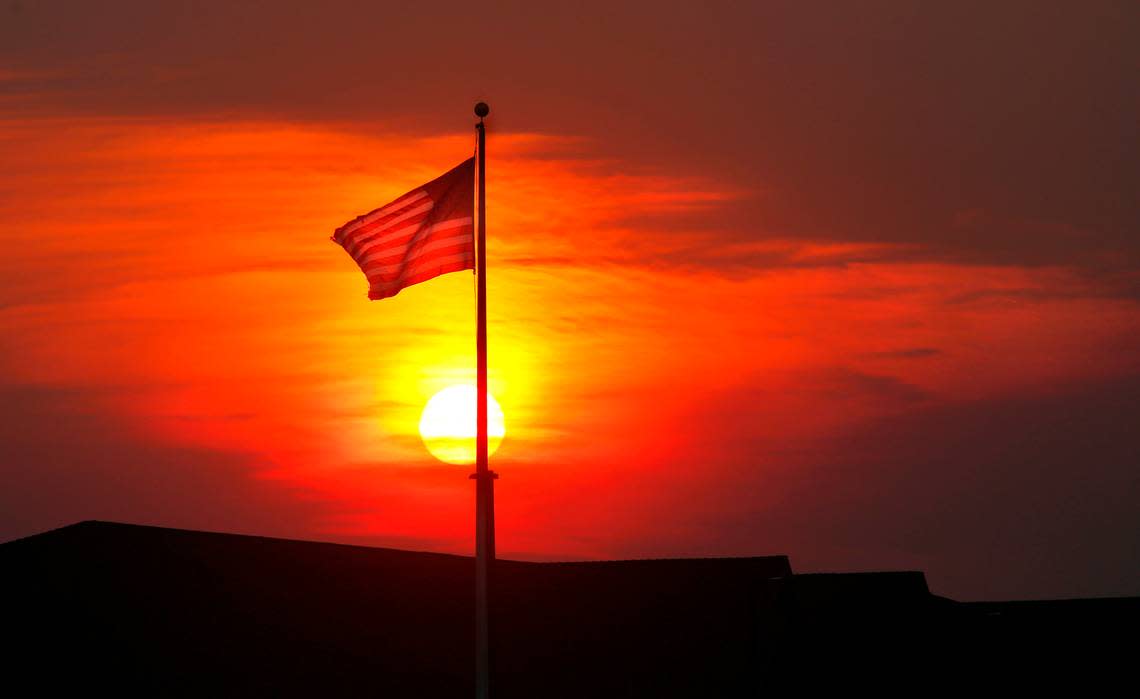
(855, 285)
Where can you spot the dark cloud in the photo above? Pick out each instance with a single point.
(63, 459)
(1030, 496)
(712, 253)
(846, 383)
(906, 353)
(975, 132)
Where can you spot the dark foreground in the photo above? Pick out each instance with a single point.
(98, 608)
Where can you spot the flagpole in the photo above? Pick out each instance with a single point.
(483, 476)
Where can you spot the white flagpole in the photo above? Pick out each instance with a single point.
(483, 476)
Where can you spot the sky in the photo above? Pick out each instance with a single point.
(858, 283)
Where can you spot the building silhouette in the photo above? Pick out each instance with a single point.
(98, 608)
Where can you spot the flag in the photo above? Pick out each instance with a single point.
(425, 233)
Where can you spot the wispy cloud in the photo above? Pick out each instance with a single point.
(174, 278)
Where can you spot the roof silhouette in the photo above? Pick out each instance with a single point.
(165, 612)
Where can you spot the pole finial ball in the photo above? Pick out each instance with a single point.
(482, 110)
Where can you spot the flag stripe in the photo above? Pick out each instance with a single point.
(394, 263)
(388, 238)
(411, 211)
(376, 230)
(405, 236)
(385, 290)
(422, 266)
(440, 249)
(386, 210)
(409, 239)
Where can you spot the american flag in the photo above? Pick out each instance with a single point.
(423, 234)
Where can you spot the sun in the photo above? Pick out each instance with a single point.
(447, 425)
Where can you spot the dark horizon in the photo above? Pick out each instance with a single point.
(774, 557)
(178, 613)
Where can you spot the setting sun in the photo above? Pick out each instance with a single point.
(447, 425)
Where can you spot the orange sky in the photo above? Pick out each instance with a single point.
(691, 361)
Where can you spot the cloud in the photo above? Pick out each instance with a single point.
(1005, 142)
(906, 353)
(64, 458)
(848, 383)
(1003, 498)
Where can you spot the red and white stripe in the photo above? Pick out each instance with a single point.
(415, 238)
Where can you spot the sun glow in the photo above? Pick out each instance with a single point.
(447, 425)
